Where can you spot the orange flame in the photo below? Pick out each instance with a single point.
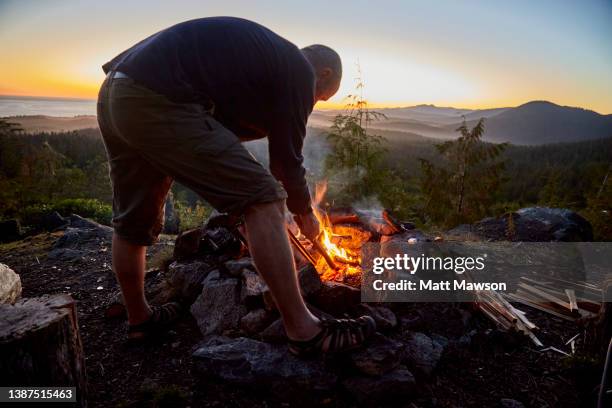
(345, 260)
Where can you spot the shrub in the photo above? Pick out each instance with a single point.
(85, 207)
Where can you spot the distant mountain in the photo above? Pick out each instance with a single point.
(542, 122)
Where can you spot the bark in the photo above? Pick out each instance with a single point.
(40, 345)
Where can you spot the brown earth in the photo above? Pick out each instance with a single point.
(492, 365)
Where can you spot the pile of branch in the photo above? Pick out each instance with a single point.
(506, 316)
(564, 299)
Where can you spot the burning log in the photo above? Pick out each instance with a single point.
(344, 219)
(396, 226)
(350, 262)
(324, 254)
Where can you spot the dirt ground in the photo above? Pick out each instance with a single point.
(493, 366)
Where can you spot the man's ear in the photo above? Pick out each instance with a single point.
(326, 73)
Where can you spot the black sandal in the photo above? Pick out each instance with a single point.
(159, 322)
(336, 336)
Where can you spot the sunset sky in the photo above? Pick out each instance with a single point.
(449, 53)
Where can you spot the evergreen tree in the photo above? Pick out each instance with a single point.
(463, 187)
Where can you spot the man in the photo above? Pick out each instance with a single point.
(177, 106)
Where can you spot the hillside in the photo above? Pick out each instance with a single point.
(542, 122)
(533, 123)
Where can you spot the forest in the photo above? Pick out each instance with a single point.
(434, 184)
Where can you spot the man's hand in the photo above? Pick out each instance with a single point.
(309, 225)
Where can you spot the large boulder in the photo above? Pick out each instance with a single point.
(253, 363)
(218, 307)
(532, 224)
(10, 285)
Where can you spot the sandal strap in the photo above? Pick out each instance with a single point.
(336, 335)
(160, 317)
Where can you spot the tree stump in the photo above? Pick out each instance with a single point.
(40, 345)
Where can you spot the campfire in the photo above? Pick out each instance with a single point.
(336, 254)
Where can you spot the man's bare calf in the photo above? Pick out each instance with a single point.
(269, 247)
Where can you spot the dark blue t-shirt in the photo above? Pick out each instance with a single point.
(260, 83)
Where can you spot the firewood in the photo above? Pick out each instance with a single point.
(571, 295)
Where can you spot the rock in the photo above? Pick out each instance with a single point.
(76, 221)
(535, 224)
(253, 288)
(336, 298)
(275, 332)
(388, 388)
(235, 267)
(309, 279)
(10, 285)
(187, 277)
(218, 307)
(256, 321)
(422, 353)
(187, 243)
(380, 356)
(66, 254)
(510, 403)
(385, 319)
(253, 363)
(53, 221)
(10, 230)
(88, 237)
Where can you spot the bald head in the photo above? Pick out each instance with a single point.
(328, 69)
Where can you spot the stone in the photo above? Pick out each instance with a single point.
(65, 254)
(309, 279)
(531, 224)
(275, 332)
(336, 298)
(383, 316)
(510, 403)
(186, 277)
(252, 290)
(380, 356)
(10, 285)
(253, 363)
(218, 307)
(256, 321)
(235, 267)
(187, 243)
(388, 388)
(422, 354)
(76, 221)
(10, 230)
(53, 221)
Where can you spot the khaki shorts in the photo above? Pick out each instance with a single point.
(151, 141)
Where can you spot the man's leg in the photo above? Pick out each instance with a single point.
(269, 246)
(129, 267)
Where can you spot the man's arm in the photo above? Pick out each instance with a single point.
(285, 143)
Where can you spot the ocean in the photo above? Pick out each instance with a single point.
(20, 106)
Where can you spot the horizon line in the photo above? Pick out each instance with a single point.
(328, 106)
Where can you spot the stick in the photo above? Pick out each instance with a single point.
(298, 245)
(324, 254)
